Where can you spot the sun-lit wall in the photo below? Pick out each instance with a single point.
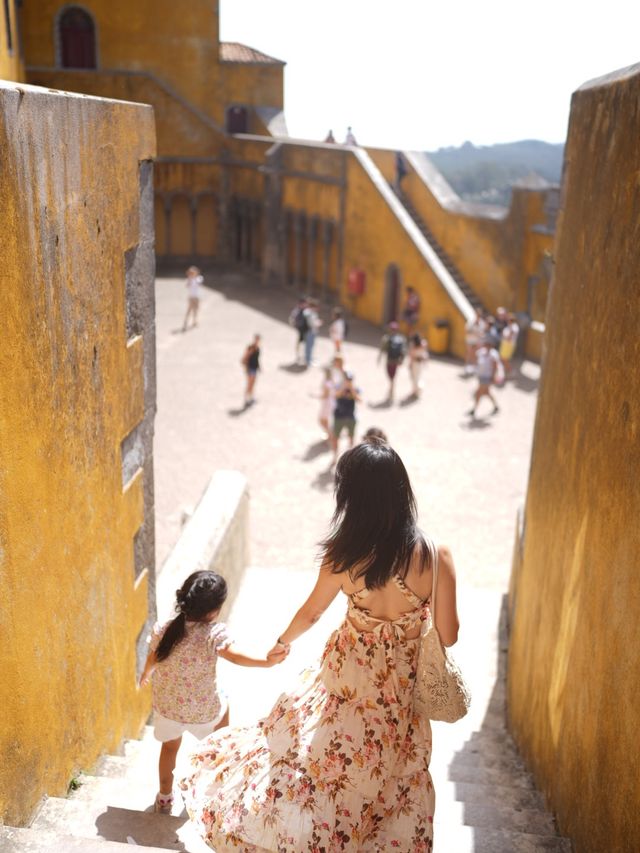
(77, 392)
(11, 64)
(574, 656)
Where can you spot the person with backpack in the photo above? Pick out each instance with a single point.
(298, 319)
(394, 346)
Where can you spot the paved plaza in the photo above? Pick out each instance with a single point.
(469, 475)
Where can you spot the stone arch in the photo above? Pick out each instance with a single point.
(75, 37)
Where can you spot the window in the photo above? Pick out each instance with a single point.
(77, 39)
(7, 24)
(237, 120)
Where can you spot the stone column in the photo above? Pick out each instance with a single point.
(298, 225)
(193, 206)
(311, 251)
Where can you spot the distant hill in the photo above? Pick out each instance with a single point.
(485, 173)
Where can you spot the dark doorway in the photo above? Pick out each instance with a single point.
(77, 39)
(237, 120)
(391, 294)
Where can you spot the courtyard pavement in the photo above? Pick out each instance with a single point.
(469, 475)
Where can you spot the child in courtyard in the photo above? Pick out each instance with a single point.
(418, 357)
(182, 666)
(327, 401)
(193, 284)
(251, 364)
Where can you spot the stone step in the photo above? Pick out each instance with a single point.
(449, 838)
(112, 823)
(493, 816)
(133, 791)
(19, 840)
(498, 795)
(460, 772)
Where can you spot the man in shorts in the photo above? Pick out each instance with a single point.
(344, 413)
(394, 346)
(488, 371)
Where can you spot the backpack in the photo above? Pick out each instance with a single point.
(300, 321)
(395, 348)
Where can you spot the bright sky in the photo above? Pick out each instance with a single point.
(421, 74)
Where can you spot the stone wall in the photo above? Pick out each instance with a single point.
(574, 658)
(11, 64)
(77, 400)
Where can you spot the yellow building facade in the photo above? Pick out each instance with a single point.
(11, 57)
(231, 187)
(77, 392)
(574, 657)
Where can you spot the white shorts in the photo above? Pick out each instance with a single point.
(165, 729)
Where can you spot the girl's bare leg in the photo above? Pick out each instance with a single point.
(224, 721)
(167, 764)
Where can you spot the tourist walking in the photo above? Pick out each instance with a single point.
(313, 322)
(251, 363)
(344, 411)
(193, 285)
(411, 310)
(342, 761)
(327, 401)
(338, 329)
(489, 371)
(182, 666)
(508, 344)
(418, 354)
(298, 320)
(394, 346)
(475, 331)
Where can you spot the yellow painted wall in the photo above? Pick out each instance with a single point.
(180, 130)
(574, 659)
(252, 84)
(71, 388)
(176, 41)
(11, 65)
(375, 238)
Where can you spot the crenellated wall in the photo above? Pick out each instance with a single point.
(574, 655)
(77, 401)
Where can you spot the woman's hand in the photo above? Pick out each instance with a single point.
(279, 652)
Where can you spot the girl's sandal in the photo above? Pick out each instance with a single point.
(163, 803)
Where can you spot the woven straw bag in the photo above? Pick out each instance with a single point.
(440, 692)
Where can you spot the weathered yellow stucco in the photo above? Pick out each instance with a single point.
(71, 389)
(574, 656)
(11, 64)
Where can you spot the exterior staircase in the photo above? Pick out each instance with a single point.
(457, 276)
(486, 802)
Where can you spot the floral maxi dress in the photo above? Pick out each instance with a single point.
(340, 764)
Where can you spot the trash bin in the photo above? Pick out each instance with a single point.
(438, 335)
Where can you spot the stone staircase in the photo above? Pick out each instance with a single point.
(486, 801)
(457, 276)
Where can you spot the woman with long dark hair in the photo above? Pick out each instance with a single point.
(342, 763)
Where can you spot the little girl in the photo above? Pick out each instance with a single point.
(182, 662)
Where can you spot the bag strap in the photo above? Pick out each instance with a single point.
(434, 585)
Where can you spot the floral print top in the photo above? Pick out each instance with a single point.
(184, 684)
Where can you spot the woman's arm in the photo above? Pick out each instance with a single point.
(446, 615)
(325, 590)
(234, 656)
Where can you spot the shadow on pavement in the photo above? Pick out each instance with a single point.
(476, 423)
(324, 480)
(384, 404)
(293, 367)
(235, 413)
(409, 401)
(316, 449)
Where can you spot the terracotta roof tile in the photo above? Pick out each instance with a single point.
(233, 51)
